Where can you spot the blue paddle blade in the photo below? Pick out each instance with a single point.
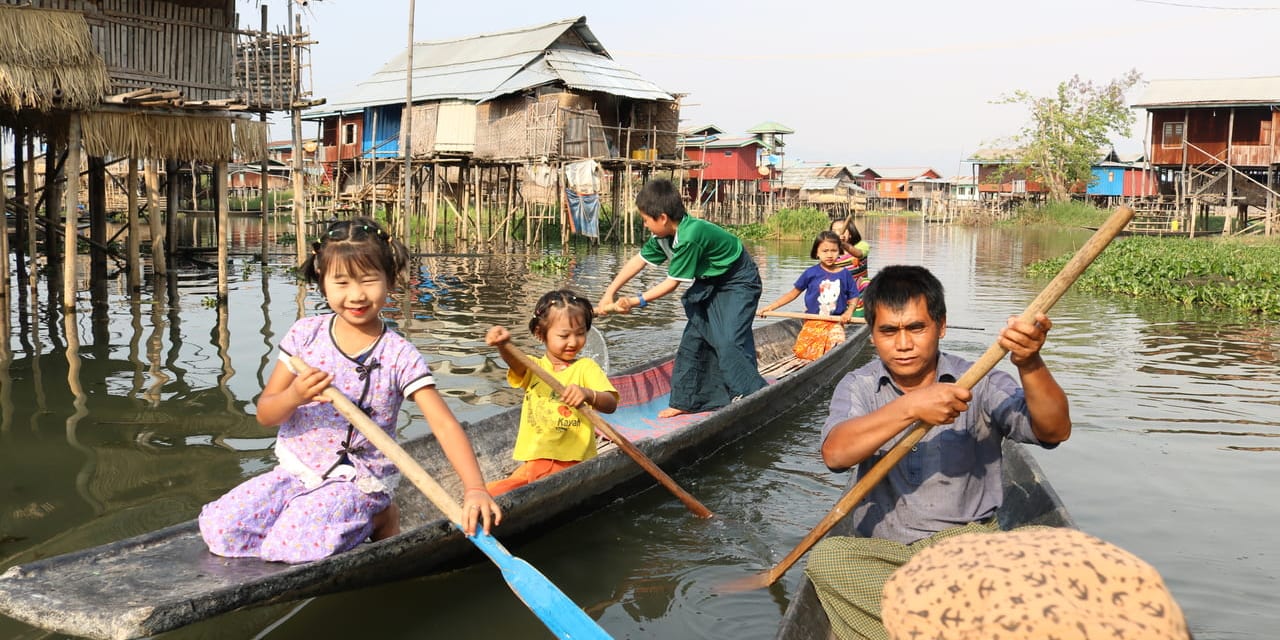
(562, 616)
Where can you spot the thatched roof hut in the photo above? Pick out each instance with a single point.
(47, 61)
(85, 57)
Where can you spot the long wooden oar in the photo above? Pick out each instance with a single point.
(564, 618)
(1076, 266)
(816, 316)
(810, 316)
(511, 352)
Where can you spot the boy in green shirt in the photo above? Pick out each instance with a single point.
(716, 361)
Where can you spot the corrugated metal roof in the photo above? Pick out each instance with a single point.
(591, 72)
(728, 142)
(770, 126)
(1212, 92)
(902, 173)
(820, 184)
(796, 177)
(702, 129)
(486, 66)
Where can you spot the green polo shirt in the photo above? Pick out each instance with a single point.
(699, 249)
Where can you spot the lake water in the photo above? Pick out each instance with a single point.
(142, 412)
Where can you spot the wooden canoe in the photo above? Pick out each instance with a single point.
(1028, 499)
(166, 579)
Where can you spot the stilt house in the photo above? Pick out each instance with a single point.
(542, 95)
(1214, 143)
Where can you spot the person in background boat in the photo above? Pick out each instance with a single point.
(855, 252)
(716, 360)
(332, 489)
(1035, 582)
(950, 482)
(554, 435)
(828, 290)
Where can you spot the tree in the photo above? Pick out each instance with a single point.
(1058, 147)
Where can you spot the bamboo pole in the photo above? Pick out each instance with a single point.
(134, 247)
(19, 195)
(29, 192)
(223, 225)
(295, 113)
(406, 128)
(70, 169)
(4, 252)
(263, 187)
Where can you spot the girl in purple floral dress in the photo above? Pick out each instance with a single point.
(332, 488)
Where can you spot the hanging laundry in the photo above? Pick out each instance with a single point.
(584, 213)
(583, 196)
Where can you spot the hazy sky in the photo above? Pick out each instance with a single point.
(880, 84)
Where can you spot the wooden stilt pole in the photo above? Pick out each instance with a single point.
(134, 250)
(70, 169)
(4, 254)
(159, 263)
(24, 230)
(223, 226)
(172, 169)
(30, 194)
(55, 143)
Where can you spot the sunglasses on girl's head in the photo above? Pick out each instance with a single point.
(346, 229)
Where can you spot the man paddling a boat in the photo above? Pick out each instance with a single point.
(950, 482)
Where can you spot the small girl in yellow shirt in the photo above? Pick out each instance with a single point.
(554, 435)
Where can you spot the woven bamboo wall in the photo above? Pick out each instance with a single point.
(424, 128)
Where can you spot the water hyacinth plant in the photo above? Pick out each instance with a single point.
(1241, 275)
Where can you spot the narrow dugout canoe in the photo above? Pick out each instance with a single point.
(167, 579)
(1028, 499)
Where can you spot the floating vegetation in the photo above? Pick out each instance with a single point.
(1242, 275)
(551, 263)
(786, 224)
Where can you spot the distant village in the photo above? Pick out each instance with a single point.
(560, 99)
(501, 137)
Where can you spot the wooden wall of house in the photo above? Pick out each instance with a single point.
(1254, 138)
(990, 180)
(737, 163)
(894, 189)
(335, 147)
(186, 45)
(1140, 183)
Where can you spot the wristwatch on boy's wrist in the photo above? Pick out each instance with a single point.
(643, 303)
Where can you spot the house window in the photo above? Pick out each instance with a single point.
(349, 133)
(728, 154)
(1111, 176)
(1172, 135)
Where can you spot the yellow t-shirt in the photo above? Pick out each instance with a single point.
(548, 427)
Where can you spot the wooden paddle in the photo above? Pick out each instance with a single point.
(564, 618)
(815, 316)
(511, 352)
(1076, 266)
